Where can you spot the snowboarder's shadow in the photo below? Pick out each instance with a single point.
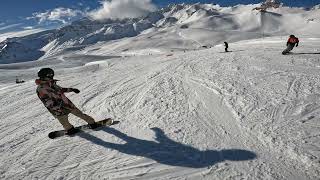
(231, 51)
(169, 152)
(305, 53)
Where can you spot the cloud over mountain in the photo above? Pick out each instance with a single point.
(60, 14)
(119, 9)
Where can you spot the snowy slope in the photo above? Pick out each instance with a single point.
(4, 36)
(186, 111)
(248, 114)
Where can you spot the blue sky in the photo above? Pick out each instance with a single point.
(17, 13)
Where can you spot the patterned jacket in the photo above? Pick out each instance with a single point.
(53, 98)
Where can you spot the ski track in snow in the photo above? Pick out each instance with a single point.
(247, 114)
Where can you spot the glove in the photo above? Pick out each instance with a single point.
(75, 90)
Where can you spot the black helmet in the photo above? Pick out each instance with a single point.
(46, 73)
(292, 36)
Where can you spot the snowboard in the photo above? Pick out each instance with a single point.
(285, 52)
(102, 123)
(288, 49)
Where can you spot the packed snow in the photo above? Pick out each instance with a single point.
(187, 109)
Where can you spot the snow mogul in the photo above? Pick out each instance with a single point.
(292, 41)
(53, 98)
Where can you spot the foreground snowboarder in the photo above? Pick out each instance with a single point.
(292, 41)
(57, 103)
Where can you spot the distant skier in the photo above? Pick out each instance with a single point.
(57, 103)
(226, 47)
(292, 41)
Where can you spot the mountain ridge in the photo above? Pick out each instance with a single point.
(205, 24)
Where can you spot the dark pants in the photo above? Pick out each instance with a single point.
(65, 122)
(288, 49)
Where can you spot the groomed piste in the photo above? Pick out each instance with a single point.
(187, 109)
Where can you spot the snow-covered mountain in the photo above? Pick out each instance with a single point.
(193, 26)
(75, 36)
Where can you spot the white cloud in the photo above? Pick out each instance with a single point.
(59, 14)
(119, 9)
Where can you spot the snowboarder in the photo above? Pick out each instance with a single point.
(227, 46)
(292, 41)
(53, 98)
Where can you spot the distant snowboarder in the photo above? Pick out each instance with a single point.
(292, 41)
(53, 98)
(226, 47)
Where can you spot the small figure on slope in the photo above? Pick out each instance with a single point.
(226, 47)
(57, 103)
(292, 41)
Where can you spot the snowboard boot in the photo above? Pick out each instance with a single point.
(72, 131)
(93, 126)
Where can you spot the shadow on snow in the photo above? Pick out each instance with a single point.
(307, 53)
(231, 51)
(169, 152)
